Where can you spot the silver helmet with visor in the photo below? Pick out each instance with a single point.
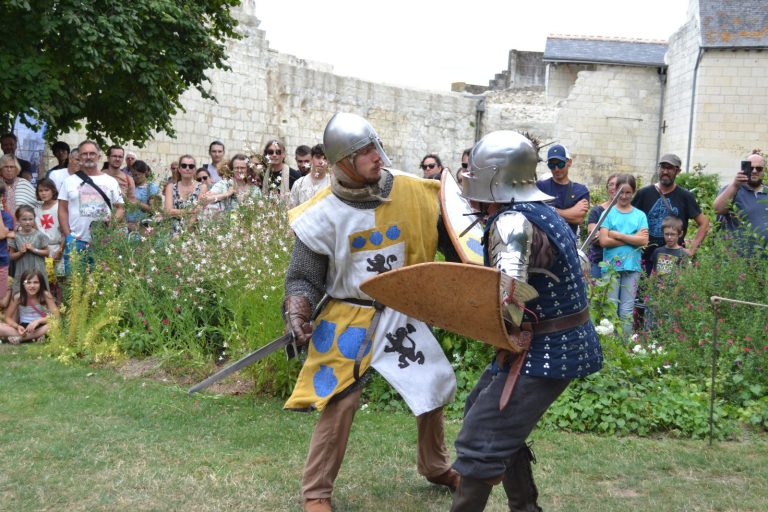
(502, 168)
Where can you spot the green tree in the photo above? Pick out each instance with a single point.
(116, 68)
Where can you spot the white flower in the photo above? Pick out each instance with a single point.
(605, 328)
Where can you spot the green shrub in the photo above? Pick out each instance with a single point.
(211, 293)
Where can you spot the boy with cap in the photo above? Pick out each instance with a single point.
(571, 198)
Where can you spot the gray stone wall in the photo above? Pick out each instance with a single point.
(270, 95)
(729, 104)
(681, 59)
(526, 69)
(609, 122)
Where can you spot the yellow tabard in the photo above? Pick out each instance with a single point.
(360, 244)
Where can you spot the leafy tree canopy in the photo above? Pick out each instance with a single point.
(115, 67)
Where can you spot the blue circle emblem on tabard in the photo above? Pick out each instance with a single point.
(350, 340)
(475, 246)
(358, 242)
(322, 337)
(324, 381)
(376, 238)
(393, 232)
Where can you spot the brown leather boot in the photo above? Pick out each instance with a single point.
(450, 479)
(317, 505)
(472, 495)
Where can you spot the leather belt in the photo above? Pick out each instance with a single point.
(557, 324)
(524, 337)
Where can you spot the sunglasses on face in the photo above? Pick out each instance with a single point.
(424, 167)
(552, 164)
(667, 167)
(277, 152)
(201, 178)
(186, 166)
(757, 169)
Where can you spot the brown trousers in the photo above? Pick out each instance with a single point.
(329, 442)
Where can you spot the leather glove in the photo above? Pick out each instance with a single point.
(297, 312)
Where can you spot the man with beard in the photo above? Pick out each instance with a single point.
(114, 161)
(303, 160)
(370, 220)
(746, 193)
(86, 197)
(663, 199)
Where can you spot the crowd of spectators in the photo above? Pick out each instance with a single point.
(47, 217)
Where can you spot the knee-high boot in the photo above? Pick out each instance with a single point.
(472, 495)
(518, 482)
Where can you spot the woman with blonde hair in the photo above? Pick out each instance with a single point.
(181, 198)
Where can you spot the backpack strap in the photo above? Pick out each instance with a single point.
(87, 179)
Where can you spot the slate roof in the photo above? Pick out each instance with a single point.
(734, 23)
(603, 50)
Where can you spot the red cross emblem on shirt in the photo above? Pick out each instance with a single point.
(46, 221)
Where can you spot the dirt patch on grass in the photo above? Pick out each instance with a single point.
(138, 368)
(151, 369)
(612, 489)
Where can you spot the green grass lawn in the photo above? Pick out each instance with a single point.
(77, 439)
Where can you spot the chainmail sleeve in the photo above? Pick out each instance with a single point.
(306, 273)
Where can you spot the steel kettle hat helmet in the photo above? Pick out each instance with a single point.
(346, 133)
(502, 168)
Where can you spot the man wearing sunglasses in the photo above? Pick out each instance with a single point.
(745, 199)
(665, 198)
(571, 198)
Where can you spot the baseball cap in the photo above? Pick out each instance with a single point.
(670, 159)
(558, 152)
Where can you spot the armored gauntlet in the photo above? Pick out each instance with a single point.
(297, 312)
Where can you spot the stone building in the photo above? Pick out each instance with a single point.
(716, 96)
(616, 104)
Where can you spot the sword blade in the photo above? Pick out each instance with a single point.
(596, 229)
(256, 355)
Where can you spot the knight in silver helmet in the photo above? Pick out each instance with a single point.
(370, 220)
(346, 136)
(536, 252)
(502, 169)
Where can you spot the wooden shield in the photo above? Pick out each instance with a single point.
(457, 217)
(460, 298)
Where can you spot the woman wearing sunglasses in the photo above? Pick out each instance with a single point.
(181, 198)
(280, 177)
(432, 167)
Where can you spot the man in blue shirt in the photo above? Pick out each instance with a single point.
(749, 199)
(571, 198)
